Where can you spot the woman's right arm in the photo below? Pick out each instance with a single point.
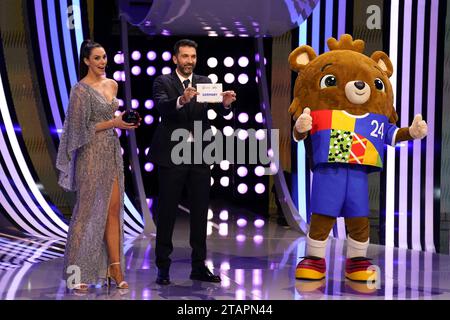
(117, 122)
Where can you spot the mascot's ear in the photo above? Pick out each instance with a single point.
(394, 116)
(300, 57)
(383, 62)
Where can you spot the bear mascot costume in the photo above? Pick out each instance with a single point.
(343, 110)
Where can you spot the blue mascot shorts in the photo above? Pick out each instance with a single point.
(340, 190)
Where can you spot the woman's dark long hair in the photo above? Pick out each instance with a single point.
(85, 52)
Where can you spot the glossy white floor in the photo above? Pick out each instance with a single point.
(255, 263)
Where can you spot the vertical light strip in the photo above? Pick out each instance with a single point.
(337, 274)
(340, 224)
(301, 152)
(45, 62)
(25, 172)
(390, 157)
(328, 22)
(404, 122)
(416, 271)
(431, 102)
(315, 32)
(342, 17)
(418, 93)
(303, 33)
(402, 272)
(328, 258)
(67, 44)
(58, 64)
(389, 273)
(316, 28)
(78, 24)
(301, 252)
(428, 273)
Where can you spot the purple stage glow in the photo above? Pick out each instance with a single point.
(243, 78)
(151, 55)
(243, 117)
(151, 71)
(259, 223)
(243, 62)
(166, 70)
(148, 119)
(149, 104)
(136, 55)
(241, 222)
(136, 70)
(149, 167)
(242, 188)
(242, 171)
(166, 55)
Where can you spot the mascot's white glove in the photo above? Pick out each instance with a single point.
(304, 122)
(419, 128)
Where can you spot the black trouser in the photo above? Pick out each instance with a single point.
(171, 183)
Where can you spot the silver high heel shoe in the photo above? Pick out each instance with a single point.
(121, 285)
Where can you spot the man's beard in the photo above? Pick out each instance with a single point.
(187, 69)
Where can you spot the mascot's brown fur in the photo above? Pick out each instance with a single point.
(346, 80)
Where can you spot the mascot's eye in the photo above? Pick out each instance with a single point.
(328, 81)
(379, 84)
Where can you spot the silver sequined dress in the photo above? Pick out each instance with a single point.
(88, 162)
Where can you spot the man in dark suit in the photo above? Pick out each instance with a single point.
(175, 98)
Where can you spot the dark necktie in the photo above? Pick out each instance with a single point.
(186, 84)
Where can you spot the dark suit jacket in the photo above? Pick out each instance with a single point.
(166, 90)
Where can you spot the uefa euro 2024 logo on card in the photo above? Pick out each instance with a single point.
(209, 92)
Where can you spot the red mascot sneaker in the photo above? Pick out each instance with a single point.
(359, 269)
(311, 268)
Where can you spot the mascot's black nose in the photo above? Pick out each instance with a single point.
(360, 85)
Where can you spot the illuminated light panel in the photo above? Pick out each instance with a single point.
(214, 78)
(242, 171)
(229, 78)
(241, 222)
(224, 165)
(151, 55)
(243, 62)
(228, 62)
(212, 62)
(242, 188)
(225, 181)
(243, 117)
(223, 215)
(243, 78)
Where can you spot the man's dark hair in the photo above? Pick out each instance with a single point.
(183, 43)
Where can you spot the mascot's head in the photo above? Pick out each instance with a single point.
(342, 79)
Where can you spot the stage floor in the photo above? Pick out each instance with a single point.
(255, 263)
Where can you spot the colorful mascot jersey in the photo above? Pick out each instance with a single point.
(339, 137)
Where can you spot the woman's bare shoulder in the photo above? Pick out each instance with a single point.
(112, 85)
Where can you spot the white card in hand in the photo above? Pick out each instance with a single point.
(209, 92)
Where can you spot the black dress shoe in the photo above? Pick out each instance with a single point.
(163, 277)
(203, 274)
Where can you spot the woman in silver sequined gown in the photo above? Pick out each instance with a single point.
(90, 163)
